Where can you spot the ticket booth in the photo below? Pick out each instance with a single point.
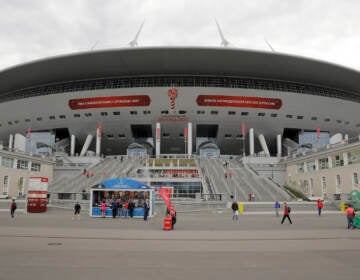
(121, 190)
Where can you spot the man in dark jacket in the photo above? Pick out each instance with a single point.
(146, 207)
(235, 208)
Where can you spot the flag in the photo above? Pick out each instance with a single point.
(243, 130)
(185, 133)
(28, 132)
(318, 132)
(165, 196)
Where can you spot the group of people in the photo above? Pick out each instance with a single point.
(125, 209)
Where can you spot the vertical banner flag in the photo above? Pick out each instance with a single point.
(165, 195)
(28, 132)
(157, 134)
(318, 133)
(185, 133)
(99, 130)
(243, 129)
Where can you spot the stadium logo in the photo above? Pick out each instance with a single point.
(172, 93)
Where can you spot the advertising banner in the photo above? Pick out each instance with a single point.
(109, 101)
(238, 101)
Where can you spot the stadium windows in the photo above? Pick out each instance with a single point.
(133, 112)
(289, 116)
(121, 135)
(214, 112)
(273, 115)
(0, 125)
(116, 113)
(232, 113)
(62, 117)
(166, 134)
(313, 118)
(200, 112)
(339, 121)
(36, 167)
(347, 123)
(182, 112)
(88, 114)
(261, 114)
(146, 112)
(16, 121)
(52, 117)
(327, 120)
(103, 114)
(300, 117)
(358, 125)
(9, 123)
(39, 119)
(164, 112)
(27, 120)
(227, 136)
(181, 135)
(76, 115)
(110, 136)
(244, 113)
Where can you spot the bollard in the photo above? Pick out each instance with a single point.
(241, 207)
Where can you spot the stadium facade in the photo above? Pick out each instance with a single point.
(167, 94)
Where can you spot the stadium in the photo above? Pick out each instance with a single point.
(173, 101)
(217, 90)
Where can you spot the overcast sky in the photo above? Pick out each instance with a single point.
(322, 29)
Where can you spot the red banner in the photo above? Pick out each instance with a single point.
(238, 101)
(165, 196)
(158, 134)
(243, 129)
(109, 101)
(318, 133)
(185, 133)
(99, 130)
(28, 132)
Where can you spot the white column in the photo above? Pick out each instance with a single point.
(278, 142)
(98, 142)
(263, 144)
(157, 143)
(346, 159)
(330, 162)
(86, 146)
(72, 145)
(11, 142)
(251, 141)
(189, 147)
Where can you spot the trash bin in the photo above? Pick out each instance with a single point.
(167, 224)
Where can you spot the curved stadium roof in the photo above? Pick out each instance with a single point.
(189, 61)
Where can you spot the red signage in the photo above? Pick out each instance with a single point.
(185, 133)
(109, 101)
(172, 93)
(173, 119)
(239, 101)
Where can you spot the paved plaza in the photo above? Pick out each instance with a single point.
(204, 245)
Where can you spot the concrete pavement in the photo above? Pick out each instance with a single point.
(203, 246)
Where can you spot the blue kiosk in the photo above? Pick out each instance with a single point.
(121, 190)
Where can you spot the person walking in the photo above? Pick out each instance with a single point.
(277, 207)
(320, 205)
(235, 208)
(77, 208)
(350, 214)
(146, 207)
(287, 211)
(13, 208)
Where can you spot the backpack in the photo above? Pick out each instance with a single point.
(13, 205)
(289, 209)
